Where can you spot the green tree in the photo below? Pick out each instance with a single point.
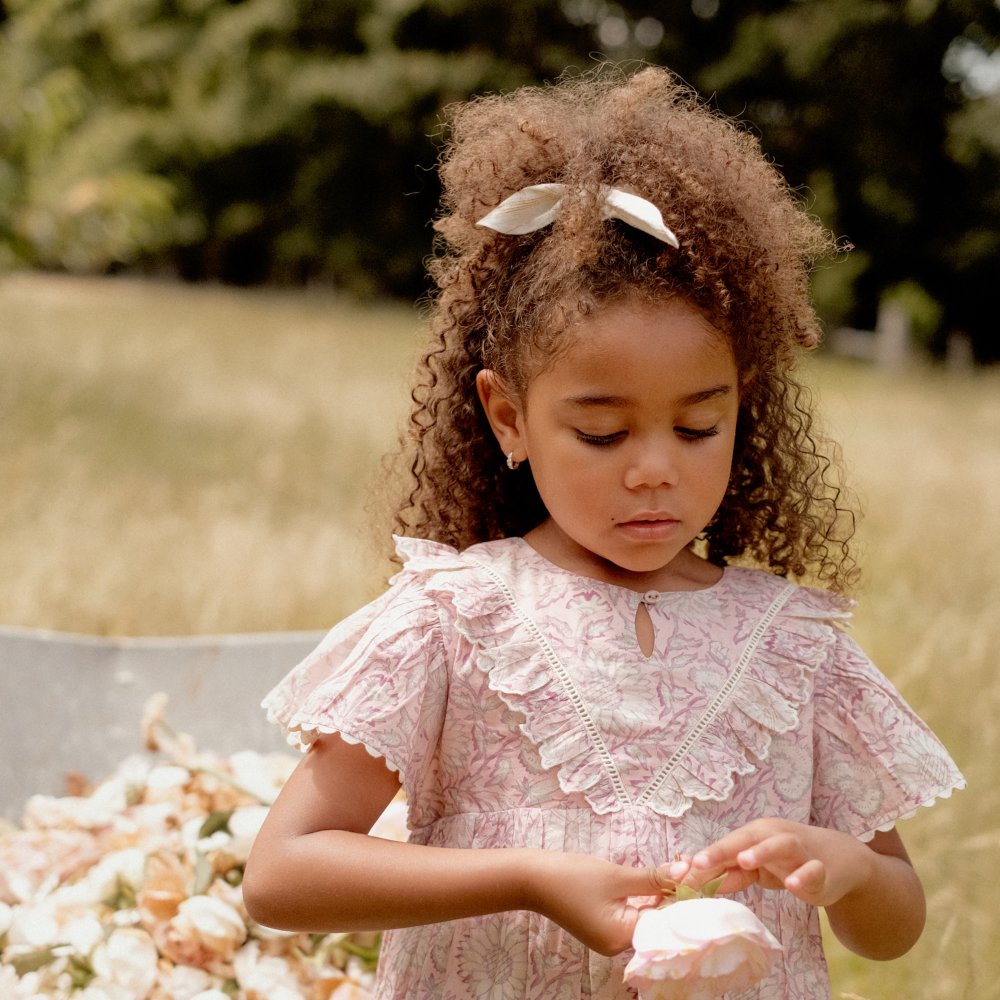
(294, 140)
(254, 140)
(889, 112)
(886, 114)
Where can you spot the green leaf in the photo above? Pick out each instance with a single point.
(367, 955)
(686, 892)
(709, 889)
(80, 972)
(214, 822)
(32, 961)
(123, 898)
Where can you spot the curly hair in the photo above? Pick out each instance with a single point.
(505, 302)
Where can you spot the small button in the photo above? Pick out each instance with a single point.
(651, 597)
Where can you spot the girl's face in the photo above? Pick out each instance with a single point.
(629, 435)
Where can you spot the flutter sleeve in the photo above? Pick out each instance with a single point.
(875, 761)
(379, 678)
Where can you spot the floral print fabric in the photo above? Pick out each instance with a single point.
(514, 701)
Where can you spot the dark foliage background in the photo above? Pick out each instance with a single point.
(294, 141)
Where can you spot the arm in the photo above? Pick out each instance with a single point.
(314, 868)
(871, 893)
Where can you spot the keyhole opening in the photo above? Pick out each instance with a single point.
(644, 632)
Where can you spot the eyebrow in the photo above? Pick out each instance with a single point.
(715, 392)
(702, 396)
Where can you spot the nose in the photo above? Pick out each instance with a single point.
(651, 465)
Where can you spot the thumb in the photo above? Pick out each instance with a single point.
(663, 878)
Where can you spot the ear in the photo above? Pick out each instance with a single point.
(504, 412)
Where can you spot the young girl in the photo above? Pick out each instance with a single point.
(583, 695)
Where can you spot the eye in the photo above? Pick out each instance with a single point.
(600, 440)
(696, 433)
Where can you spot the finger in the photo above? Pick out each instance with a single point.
(781, 854)
(666, 878)
(807, 882)
(737, 880)
(733, 879)
(723, 853)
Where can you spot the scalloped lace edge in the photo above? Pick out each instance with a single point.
(945, 793)
(301, 735)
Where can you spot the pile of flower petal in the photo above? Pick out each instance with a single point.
(132, 890)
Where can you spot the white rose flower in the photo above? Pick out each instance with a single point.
(154, 818)
(33, 862)
(35, 925)
(698, 949)
(350, 991)
(165, 781)
(244, 825)
(25, 987)
(96, 989)
(126, 961)
(183, 982)
(118, 789)
(218, 841)
(262, 775)
(212, 995)
(268, 976)
(62, 917)
(47, 812)
(208, 925)
(83, 933)
(105, 879)
(231, 894)
(190, 834)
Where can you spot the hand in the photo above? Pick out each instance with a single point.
(816, 865)
(597, 901)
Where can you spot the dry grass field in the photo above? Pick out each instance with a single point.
(195, 460)
(189, 460)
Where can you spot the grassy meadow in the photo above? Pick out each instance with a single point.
(184, 460)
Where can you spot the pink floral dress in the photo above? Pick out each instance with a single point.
(514, 701)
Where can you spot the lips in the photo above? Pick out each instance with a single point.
(649, 526)
(654, 518)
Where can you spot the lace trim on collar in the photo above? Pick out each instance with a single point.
(762, 697)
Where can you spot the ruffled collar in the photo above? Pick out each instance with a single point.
(786, 634)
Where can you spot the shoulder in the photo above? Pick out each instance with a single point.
(458, 586)
(407, 611)
(790, 600)
(425, 555)
(436, 568)
(791, 627)
(434, 579)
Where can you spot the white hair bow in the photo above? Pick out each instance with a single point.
(538, 205)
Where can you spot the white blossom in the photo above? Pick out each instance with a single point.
(268, 976)
(126, 961)
(698, 949)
